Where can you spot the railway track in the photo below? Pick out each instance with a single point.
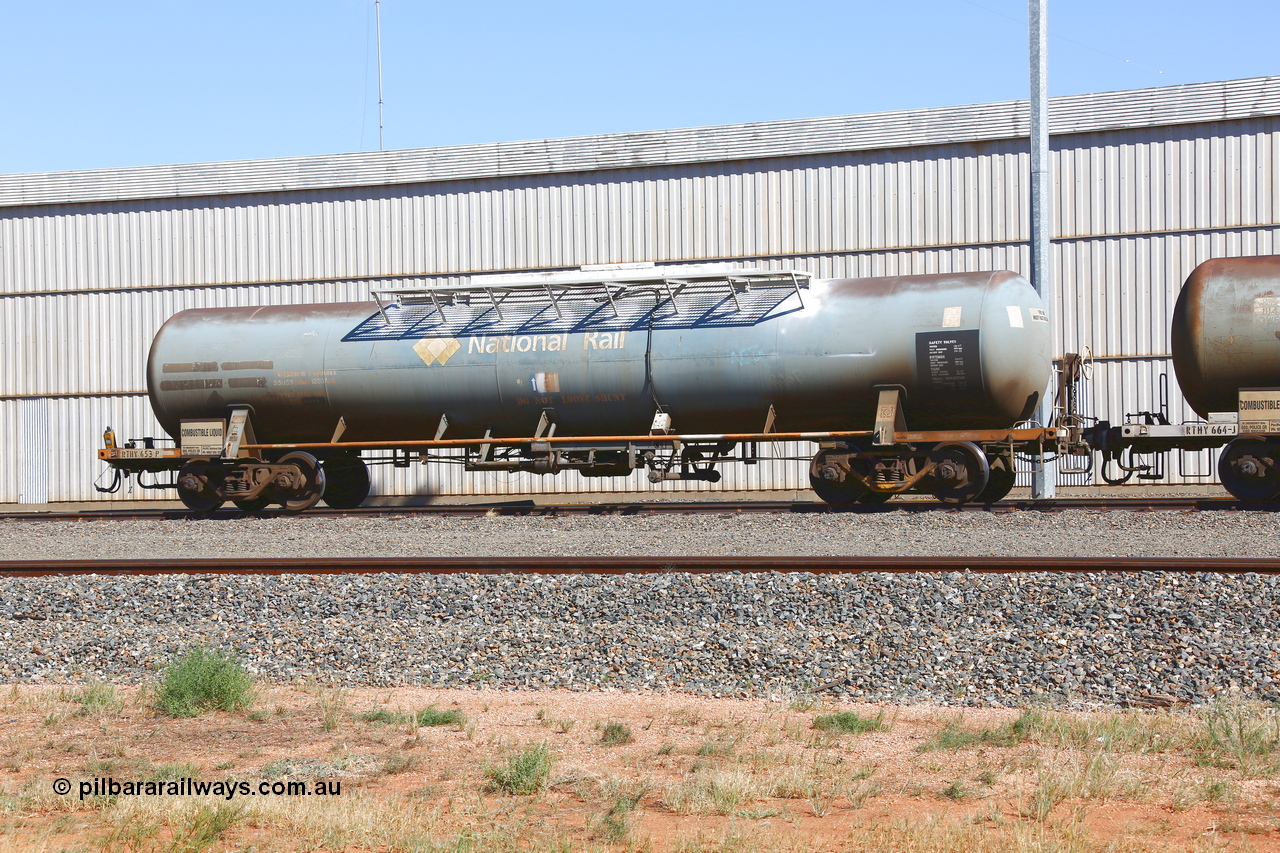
(634, 565)
(530, 509)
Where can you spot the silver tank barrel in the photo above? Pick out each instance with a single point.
(972, 350)
(1226, 331)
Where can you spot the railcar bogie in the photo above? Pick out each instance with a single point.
(954, 472)
(296, 481)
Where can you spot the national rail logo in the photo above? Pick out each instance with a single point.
(436, 349)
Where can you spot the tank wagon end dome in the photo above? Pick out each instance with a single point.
(197, 354)
(1017, 345)
(972, 349)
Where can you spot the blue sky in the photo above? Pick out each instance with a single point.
(96, 84)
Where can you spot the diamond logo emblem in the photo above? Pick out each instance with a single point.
(440, 350)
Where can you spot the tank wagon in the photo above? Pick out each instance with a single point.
(1226, 354)
(906, 384)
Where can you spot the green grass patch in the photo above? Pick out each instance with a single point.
(849, 723)
(955, 737)
(525, 773)
(616, 734)
(382, 715)
(433, 716)
(97, 697)
(199, 680)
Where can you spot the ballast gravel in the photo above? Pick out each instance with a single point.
(1089, 639)
(1071, 533)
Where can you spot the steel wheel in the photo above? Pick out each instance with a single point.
(834, 493)
(346, 482)
(830, 489)
(312, 489)
(1000, 479)
(1245, 470)
(194, 489)
(960, 471)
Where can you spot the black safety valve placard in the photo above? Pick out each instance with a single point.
(949, 362)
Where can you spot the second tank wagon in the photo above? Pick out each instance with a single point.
(1226, 352)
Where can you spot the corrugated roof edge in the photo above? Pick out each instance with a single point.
(1190, 103)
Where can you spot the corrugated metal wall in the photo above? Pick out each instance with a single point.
(33, 439)
(83, 287)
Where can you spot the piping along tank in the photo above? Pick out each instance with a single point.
(971, 350)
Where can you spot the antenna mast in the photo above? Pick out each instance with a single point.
(377, 13)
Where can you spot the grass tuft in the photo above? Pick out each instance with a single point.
(613, 826)
(1051, 789)
(98, 697)
(398, 764)
(382, 715)
(173, 771)
(710, 790)
(526, 773)
(616, 734)
(432, 716)
(435, 717)
(332, 703)
(198, 830)
(956, 737)
(199, 680)
(1244, 735)
(849, 723)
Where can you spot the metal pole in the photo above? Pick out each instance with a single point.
(377, 12)
(1044, 483)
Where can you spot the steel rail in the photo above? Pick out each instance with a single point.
(528, 508)
(635, 565)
